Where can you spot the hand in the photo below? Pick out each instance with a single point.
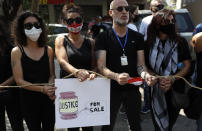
(49, 90)
(92, 76)
(165, 83)
(82, 75)
(122, 78)
(150, 79)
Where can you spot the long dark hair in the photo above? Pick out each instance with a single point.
(154, 27)
(4, 38)
(18, 32)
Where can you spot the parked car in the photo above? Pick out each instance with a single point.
(184, 23)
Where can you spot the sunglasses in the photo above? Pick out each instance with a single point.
(70, 21)
(120, 8)
(29, 26)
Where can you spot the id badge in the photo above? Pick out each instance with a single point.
(124, 60)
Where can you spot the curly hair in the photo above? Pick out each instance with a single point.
(71, 8)
(18, 32)
(154, 27)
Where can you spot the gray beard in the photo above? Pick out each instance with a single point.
(120, 24)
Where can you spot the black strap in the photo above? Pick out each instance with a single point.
(166, 60)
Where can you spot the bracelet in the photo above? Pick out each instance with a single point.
(143, 75)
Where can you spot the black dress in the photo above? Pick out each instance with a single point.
(37, 108)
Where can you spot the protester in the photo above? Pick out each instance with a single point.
(32, 62)
(9, 98)
(165, 50)
(155, 6)
(119, 53)
(132, 16)
(74, 52)
(196, 42)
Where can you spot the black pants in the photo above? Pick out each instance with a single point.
(173, 113)
(131, 100)
(83, 129)
(10, 102)
(38, 111)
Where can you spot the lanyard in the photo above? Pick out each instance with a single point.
(120, 41)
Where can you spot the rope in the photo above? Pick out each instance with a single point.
(92, 72)
(50, 84)
(176, 76)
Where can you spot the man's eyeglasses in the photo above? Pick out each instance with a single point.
(120, 8)
(70, 21)
(29, 25)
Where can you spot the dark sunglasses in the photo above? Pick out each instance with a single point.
(29, 26)
(160, 6)
(120, 8)
(70, 21)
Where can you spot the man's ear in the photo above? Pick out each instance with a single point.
(110, 13)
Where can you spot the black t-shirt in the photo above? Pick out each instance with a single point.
(108, 41)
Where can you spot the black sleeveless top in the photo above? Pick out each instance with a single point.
(80, 58)
(35, 71)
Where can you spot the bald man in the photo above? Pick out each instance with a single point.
(120, 57)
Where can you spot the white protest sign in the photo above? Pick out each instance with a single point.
(81, 104)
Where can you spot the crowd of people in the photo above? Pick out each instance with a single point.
(119, 53)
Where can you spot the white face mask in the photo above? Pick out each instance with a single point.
(33, 34)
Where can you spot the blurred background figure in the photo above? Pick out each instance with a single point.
(9, 98)
(132, 16)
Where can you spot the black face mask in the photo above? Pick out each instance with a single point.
(167, 29)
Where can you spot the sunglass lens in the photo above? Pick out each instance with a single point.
(127, 8)
(78, 20)
(69, 21)
(28, 26)
(37, 25)
(120, 8)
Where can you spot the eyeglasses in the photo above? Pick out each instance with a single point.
(29, 25)
(120, 8)
(70, 21)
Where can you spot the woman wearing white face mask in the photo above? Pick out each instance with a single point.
(32, 62)
(73, 51)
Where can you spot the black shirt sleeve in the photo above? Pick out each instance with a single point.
(183, 50)
(101, 41)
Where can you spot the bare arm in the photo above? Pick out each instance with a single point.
(51, 63)
(8, 82)
(142, 69)
(101, 63)
(61, 55)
